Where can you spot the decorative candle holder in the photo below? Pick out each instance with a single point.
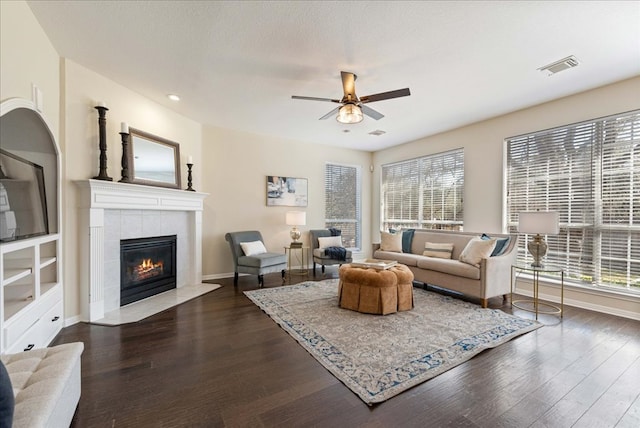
(125, 158)
(102, 128)
(189, 178)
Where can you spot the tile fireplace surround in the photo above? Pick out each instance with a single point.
(110, 211)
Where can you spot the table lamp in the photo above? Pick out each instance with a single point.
(540, 223)
(295, 219)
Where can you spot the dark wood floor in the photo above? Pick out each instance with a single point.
(219, 361)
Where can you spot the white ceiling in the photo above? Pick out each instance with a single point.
(236, 64)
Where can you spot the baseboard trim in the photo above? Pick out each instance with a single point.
(71, 321)
(220, 276)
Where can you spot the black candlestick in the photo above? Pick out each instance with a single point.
(189, 188)
(102, 127)
(125, 158)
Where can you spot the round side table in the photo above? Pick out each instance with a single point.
(538, 306)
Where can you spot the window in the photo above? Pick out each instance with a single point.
(424, 193)
(342, 185)
(590, 173)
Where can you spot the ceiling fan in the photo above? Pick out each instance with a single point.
(353, 106)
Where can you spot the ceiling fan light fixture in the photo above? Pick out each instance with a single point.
(350, 113)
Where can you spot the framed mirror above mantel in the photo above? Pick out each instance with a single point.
(153, 161)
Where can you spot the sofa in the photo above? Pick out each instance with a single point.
(473, 264)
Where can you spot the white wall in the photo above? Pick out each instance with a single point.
(27, 57)
(236, 165)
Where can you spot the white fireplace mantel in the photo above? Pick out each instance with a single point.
(96, 196)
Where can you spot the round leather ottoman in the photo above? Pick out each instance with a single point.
(373, 291)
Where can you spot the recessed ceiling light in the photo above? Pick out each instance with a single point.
(173, 97)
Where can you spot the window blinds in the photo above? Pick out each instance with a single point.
(424, 192)
(343, 202)
(590, 173)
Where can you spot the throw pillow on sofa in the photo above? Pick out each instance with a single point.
(391, 242)
(501, 244)
(441, 251)
(407, 238)
(476, 250)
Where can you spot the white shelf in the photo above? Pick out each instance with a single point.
(13, 275)
(46, 261)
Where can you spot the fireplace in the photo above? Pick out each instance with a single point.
(109, 212)
(147, 267)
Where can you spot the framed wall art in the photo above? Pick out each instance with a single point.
(286, 191)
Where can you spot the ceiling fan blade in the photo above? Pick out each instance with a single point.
(349, 86)
(385, 95)
(331, 113)
(371, 112)
(296, 97)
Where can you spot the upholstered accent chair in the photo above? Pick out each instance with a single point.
(258, 261)
(319, 256)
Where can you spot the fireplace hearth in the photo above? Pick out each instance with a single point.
(147, 267)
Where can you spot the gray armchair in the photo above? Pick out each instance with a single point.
(319, 255)
(258, 264)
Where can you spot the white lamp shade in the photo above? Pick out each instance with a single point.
(296, 218)
(542, 222)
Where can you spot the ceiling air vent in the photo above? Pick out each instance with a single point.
(558, 66)
(377, 132)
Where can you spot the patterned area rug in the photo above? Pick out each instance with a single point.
(376, 356)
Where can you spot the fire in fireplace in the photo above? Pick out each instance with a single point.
(147, 267)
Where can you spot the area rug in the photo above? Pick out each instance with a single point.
(376, 356)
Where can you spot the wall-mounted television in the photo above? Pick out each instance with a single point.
(23, 204)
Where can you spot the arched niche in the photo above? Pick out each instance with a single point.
(30, 177)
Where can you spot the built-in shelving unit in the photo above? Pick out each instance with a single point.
(31, 291)
(25, 278)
